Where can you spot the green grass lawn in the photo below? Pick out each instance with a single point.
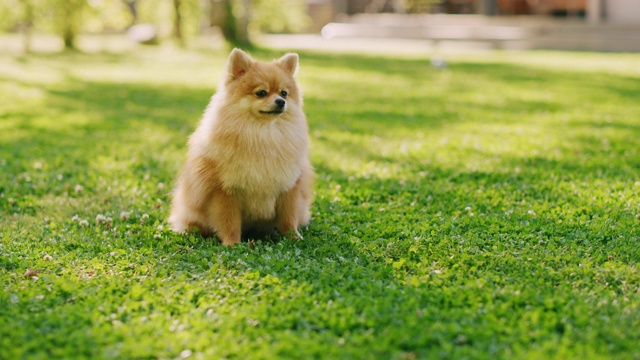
(487, 210)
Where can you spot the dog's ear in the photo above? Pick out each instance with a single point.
(238, 64)
(288, 63)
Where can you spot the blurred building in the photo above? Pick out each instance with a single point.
(591, 25)
(596, 11)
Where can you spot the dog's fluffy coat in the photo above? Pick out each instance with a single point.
(247, 166)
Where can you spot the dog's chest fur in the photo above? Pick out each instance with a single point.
(259, 162)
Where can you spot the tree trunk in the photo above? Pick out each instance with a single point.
(69, 38)
(132, 5)
(28, 24)
(178, 23)
(69, 20)
(242, 24)
(235, 26)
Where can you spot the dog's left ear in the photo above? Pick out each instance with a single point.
(288, 63)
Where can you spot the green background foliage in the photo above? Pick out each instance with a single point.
(280, 16)
(486, 210)
(109, 16)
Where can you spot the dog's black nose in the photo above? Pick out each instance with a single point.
(280, 102)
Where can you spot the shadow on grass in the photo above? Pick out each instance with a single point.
(86, 120)
(113, 106)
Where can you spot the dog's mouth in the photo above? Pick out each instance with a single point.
(272, 112)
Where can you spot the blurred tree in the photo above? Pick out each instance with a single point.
(106, 16)
(242, 17)
(235, 22)
(68, 20)
(186, 19)
(19, 16)
(132, 5)
(181, 19)
(29, 20)
(12, 14)
(177, 25)
(278, 16)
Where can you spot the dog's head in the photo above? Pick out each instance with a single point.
(267, 90)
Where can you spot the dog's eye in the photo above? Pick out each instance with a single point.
(262, 93)
(284, 93)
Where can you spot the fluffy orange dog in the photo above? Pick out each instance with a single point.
(247, 166)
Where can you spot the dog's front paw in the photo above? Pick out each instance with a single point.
(230, 242)
(293, 234)
(229, 239)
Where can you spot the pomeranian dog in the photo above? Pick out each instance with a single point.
(247, 167)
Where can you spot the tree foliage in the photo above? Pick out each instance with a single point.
(280, 16)
(182, 19)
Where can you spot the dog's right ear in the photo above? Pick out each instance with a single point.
(238, 64)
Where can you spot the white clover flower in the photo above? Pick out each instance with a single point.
(125, 215)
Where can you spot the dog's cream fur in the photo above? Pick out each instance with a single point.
(247, 165)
